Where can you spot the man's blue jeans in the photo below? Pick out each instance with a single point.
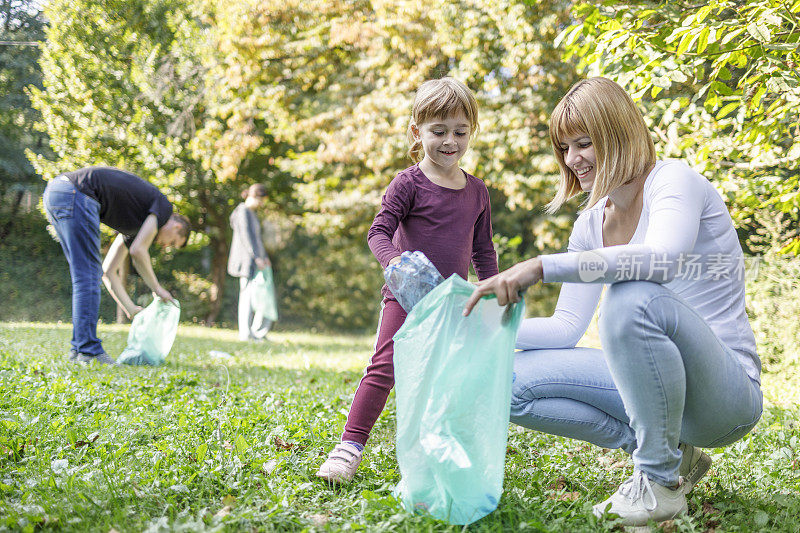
(76, 218)
(662, 378)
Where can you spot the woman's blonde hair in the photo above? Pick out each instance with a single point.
(440, 99)
(623, 148)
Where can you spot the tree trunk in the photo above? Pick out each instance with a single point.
(219, 269)
(217, 216)
(6, 229)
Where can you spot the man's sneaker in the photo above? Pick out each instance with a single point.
(341, 464)
(694, 465)
(640, 500)
(101, 359)
(73, 353)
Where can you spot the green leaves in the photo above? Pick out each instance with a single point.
(313, 100)
(759, 31)
(736, 64)
(200, 452)
(726, 110)
(21, 30)
(240, 444)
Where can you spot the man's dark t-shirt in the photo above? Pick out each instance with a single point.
(125, 199)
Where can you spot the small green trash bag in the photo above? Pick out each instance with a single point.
(262, 294)
(152, 333)
(453, 390)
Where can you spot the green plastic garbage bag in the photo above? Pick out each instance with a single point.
(262, 294)
(453, 390)
(152, 333)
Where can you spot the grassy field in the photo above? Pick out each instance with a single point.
(232, 443)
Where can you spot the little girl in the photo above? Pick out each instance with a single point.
(434, 207)
(247, 257)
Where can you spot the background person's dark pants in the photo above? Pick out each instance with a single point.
(378, 380)
(76, 218)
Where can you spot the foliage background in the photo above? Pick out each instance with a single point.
(206, 97)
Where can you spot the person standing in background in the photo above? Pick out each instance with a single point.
(247, 257)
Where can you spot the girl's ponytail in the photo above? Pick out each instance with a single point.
(415, 152)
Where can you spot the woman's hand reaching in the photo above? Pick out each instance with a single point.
(508, 285)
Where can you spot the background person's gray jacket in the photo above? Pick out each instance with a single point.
(246, 244)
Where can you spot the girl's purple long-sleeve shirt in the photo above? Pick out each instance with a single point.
(450, 226)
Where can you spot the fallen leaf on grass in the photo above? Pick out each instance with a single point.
(89, 440)
(566, 496)
(225, 511)
(45, 521)
(283, 445)
(558, 484)
(59, 465)
(711, 517)
(228, 500)
(269, 466)
(668, 526)
(318, 520)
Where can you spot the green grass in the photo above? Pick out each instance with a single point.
(208, 443)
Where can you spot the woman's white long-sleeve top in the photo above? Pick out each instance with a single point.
(685, 239)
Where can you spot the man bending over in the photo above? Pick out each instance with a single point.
(76, 203)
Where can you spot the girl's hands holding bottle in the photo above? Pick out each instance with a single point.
(508, 285)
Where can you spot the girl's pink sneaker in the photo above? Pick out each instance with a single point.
(341, 464)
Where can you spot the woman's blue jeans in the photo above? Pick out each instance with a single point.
(76, 218)
(662, 378)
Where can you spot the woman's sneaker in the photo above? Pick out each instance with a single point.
(694, 465)
(639, 500)
(341, 464)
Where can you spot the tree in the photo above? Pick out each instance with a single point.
(21, 30)
(722, 84)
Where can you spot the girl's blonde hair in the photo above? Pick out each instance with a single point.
(440, 99)
(623, 148)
